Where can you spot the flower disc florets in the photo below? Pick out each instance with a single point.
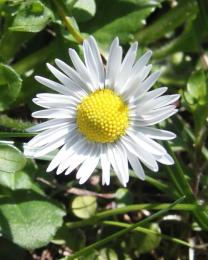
(102, 116)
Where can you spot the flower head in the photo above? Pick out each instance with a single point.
(103, 113)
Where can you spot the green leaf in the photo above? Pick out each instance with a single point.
(197, 87)
(123, 27)
(84, 206)
(32, 16)
(29, 219)
(74, 239)
(10, 86)
(117, 18)
(196, 97)
(106, 254)
(145, 243)
(18, 180)
(84, 10)
(166, 23)
(11, 159)
(123, 197)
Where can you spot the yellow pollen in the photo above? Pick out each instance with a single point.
(102, 116)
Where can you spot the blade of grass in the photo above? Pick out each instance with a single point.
(180, 180)
(136, 207)
(95, 245)
(147, 231)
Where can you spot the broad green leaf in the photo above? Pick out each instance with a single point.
(84, 10)
(11, 42)
(74, 239)
(189, 40)
(196, 97)
(29, 219)
(18, 180)
(32, 16)
(123, 27)
(106, 254)
(197, 87)
(117, 18)
(123, 197)
(10, 86)
(84, 206)
(11, 159)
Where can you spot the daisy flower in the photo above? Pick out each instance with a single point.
(103, 113)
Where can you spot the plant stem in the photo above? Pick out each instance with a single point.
(68, 23)
(199, 213)
(147, 231)
(88, 249)
(123, 210)
(15, 134)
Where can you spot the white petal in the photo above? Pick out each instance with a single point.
(165, 159)
(62, 78)
(126, 66)
(149, 82)
(98, 59)
(90, 62)
(156, 133)
(144, 99)
(51, 135)
(142, 62)
(50, 147)
(105, 165)
(53, 113)
(81, 69)
(71, 73)
(155, 120)
(156, 112)
(53, 85)
(113, 62)
(71, 99)
(166, 100)
(114, 156)
(64, 151)
(78, 157)
(88, 166)
(146, 70)
(70, 103)
(146, 143)
(53, 123)
(136, 166)
(79, 148)
(137, 150)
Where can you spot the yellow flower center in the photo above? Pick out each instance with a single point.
(102, 116)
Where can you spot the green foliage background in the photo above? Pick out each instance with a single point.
(44, 216)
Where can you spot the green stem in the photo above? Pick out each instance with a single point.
(147, 231)
(15, 134)
(135, 207)
(88, 249)
(200, 213)
(68, 23)
(162, 186)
